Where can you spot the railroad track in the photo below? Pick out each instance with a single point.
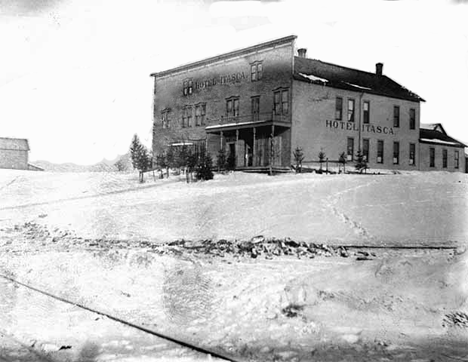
(40, 356)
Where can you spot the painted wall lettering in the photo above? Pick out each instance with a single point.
(352, 126)
(222, 79)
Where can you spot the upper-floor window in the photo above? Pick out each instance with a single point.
(350, 110)
(412, 154)
(457, 159)
(432, 157)
(255, 103)
(232, 107)
(396, 116)
(256, 71)
(366, 114)
(396, 153)
(200, 113)
(187, 117)
(281, 102)
(380, 151)
(188, 87)
(339, 108)
(412, 118)
(444, 158)
(165, 120)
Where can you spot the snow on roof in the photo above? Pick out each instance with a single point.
(314, 78)
(358, 86)
(439, 141)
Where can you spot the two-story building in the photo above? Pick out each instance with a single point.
(262, 102)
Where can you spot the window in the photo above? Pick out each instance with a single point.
(396, 116)
(457, 159)
(200, 112)
(412, 118)
(256, 71)
(444, 158)
(285, 101)
(380, 151)
(412, 154)
(165, 118)
(255, 108)
(432, 157)
(366, 116)
(365, 149)
(396, 153)
(232, 107)
(339, 108)
(188, 87)
(281, 102)
(350, 110)
(350, 148)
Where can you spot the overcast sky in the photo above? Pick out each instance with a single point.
(74, 74)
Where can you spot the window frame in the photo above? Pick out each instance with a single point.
(165, 119)
(412, 154)
(412, 118)
(232, 107)
(396, 152)
(366, 150)
(350, 147)
(366, 113)
(256, 71)
(431, 157)
(380, 151)
(351, 114)
(444, 158)
(396, 116)
(255, 107)
(279, 102)
(456, 157)
(339, 102)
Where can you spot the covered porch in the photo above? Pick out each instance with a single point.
(253, 145)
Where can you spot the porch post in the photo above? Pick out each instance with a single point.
(221, 141)
(237, 146)
(254, 151)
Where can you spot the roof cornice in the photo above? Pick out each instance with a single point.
(226, 56)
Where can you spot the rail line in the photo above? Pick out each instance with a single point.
(181, 342)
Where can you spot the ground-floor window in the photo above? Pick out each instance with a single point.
(380, 151)
(432, 157)
(396, 153)
(457, 159)
(365, 149)
(444, 158)
(350, 148)
(412, 154)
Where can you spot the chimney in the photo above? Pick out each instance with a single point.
(302, 52)
(379, 68)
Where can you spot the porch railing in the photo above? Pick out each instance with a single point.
(254, 117)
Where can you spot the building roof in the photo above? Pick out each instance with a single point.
(19, 144)
(337, 76)
(435, 134)
(225, 56)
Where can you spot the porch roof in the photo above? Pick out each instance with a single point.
(243, 125)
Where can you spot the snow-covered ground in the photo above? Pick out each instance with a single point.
(392, 305)
(416, 208)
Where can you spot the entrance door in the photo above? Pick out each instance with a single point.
(232, 155)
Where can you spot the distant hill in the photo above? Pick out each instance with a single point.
(102, 166)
